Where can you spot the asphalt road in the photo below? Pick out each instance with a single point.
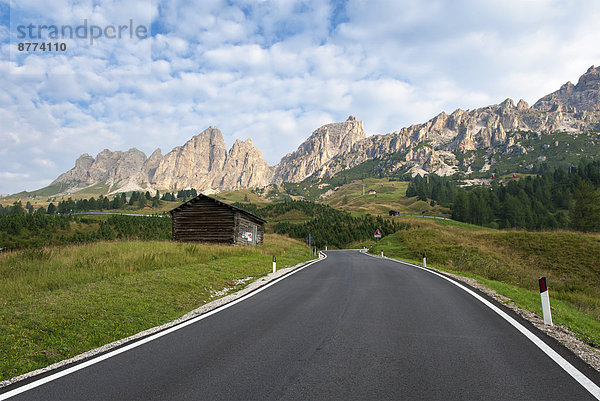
(348, 327)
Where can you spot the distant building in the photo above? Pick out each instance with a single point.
(372, 192)
(205, 219)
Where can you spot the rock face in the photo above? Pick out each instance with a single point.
(149, 168)
(116, 169)
(244, 167)
(433, 147)
(321, 147)
(442, 145)
(79, 173)
(202, 163)
(193, 165)
(585, 96)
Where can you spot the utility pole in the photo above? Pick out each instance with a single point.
(309, 239)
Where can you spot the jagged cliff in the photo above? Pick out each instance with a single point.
(121, 171)
(443, 145)
(202, 163)
(321, 147)
(244, 167)
(433, 146)
(193, 165)
(585, 96)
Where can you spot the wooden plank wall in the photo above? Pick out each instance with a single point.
(205, 221)
(244, 222)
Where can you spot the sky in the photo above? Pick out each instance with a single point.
(270, 70)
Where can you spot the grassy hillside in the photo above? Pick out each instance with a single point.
(243, 196)
(555, 149)
(45, 195)
(61, 301)
(391, 195)
(512, 262)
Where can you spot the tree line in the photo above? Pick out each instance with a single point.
(328, 226)
(35, 230)
(137, 200)
(559, 198)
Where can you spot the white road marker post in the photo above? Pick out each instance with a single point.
(274, 264)
(424, 260)
(545, 302)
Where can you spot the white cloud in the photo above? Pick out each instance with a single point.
(7, 175)
(275, 71)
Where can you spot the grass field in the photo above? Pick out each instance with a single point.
(42, 197)
(242, 196)
(511, 262)
(390, 195)
(59, 302)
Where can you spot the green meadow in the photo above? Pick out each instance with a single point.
(58, 302)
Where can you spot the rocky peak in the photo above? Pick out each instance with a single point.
(522, 105)
(150, 166)
(109, 167)
(156, 155)
(78, 174)
(585, 96)
(240, 146)
(324, 144)
(590, 80)
(245, 167)
(84, 162)
(126, 164)
(204, 163)
(567, 87)
(507, 105)
(190, 165)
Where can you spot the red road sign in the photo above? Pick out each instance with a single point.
(377, 234)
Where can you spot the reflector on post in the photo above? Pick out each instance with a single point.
(545, 301)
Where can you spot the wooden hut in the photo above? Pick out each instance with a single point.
(205, 219)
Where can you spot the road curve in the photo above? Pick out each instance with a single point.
(349, 327)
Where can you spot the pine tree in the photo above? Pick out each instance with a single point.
(17, 208)
(585, 213)
(460, 206)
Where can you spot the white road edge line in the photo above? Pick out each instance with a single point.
(153, 337)
(562, 362)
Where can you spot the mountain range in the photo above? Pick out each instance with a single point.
(464, 141)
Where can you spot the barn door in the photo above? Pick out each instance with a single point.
(254, 233)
